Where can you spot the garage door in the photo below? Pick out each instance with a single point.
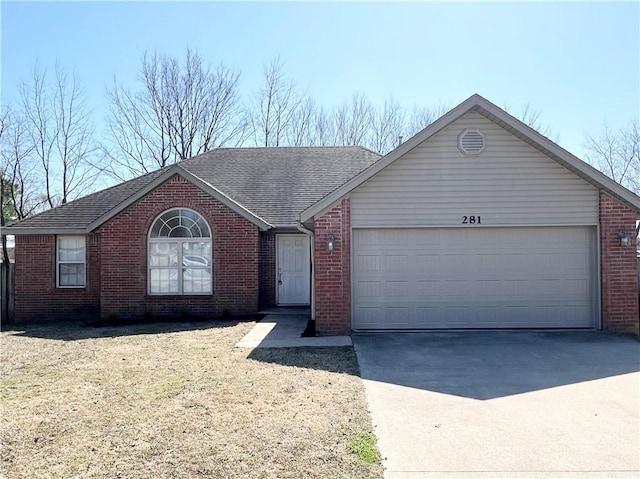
(473, 278)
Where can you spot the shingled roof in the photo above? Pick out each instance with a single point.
(274, 184)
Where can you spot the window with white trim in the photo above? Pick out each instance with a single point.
(71, 262)
(179, 254)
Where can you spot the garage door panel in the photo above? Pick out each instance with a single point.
(368, 290)
(428, 262)
(397, 289)
(370, 317)
(396, 263)
(368, 263)
(398, 317)
(473, 278)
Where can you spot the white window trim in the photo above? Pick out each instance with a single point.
(58, 262)
(180, 269)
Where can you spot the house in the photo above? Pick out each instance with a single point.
(477, 221)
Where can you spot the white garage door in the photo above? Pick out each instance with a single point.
(473, 278)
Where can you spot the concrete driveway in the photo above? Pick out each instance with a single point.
(504, 404)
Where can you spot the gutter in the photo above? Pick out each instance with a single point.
(311, 326)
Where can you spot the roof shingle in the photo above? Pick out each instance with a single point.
(275, 184)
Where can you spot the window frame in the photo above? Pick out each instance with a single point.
(59, 238)
(180, 267)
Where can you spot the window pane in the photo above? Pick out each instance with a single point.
(155, 230)
(196, 257)
(198, 252)
(71, 249)
(197, 280)
(71, 274)
(163, 254)
(174, 221)
(189, 217)
(200, 229)
(167, 215)
(164, 280)
(180, 232)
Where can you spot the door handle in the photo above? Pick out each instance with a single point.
(279, 276)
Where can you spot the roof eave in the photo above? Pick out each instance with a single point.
(39, 230)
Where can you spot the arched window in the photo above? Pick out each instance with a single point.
(180, 258)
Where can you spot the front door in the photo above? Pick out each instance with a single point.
(293, 269)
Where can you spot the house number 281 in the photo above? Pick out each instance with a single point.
(471, 220)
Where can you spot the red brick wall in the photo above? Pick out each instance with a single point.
(124, 257)
(267, 268)
(619, 268)
(333, 271)
(36, 294)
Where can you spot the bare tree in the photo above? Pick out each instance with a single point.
(324, 129)
(180, 110)
(21, 169)
(274, 107)
(422, 117)
(4, 213)
(531, 117)
(301, 131)
(617, 154)
(353, 120)
(387, 127)
(58, 133)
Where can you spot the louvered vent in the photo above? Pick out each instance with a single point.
(471, 142)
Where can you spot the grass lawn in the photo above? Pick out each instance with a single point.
(178, 400)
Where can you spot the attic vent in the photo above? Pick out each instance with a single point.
(471, 142)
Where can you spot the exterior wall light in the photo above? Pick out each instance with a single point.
(331, 240)
(624, 238)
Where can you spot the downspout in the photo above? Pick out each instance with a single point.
(311, 327)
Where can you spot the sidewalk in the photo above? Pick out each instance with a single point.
(283, 330)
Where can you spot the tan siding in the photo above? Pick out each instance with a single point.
(510, 183)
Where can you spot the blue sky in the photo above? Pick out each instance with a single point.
(578, 63)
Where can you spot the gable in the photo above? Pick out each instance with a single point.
(508, 183)
(491, 112)
(173, 174)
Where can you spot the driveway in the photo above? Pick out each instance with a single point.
(504, 404)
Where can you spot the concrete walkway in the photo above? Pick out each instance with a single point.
(504, 404)
(283, 329)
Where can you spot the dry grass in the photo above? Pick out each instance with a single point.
(176, 400)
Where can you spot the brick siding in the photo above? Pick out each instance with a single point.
(619, 268)
(117, 265)
(36, 294)
(267, 268)
(124, 258)
(333, 271)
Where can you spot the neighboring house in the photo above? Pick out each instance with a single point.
(477, 221)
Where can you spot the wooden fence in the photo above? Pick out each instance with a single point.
(7, 290)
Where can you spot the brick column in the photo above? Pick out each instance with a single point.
(333, 271)
(619, 267)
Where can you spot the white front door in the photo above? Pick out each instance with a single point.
(293, 269)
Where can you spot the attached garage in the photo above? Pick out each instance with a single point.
(476, 222)
(438, 278)
(474, 228)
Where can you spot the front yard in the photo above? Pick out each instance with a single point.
(178, 400)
